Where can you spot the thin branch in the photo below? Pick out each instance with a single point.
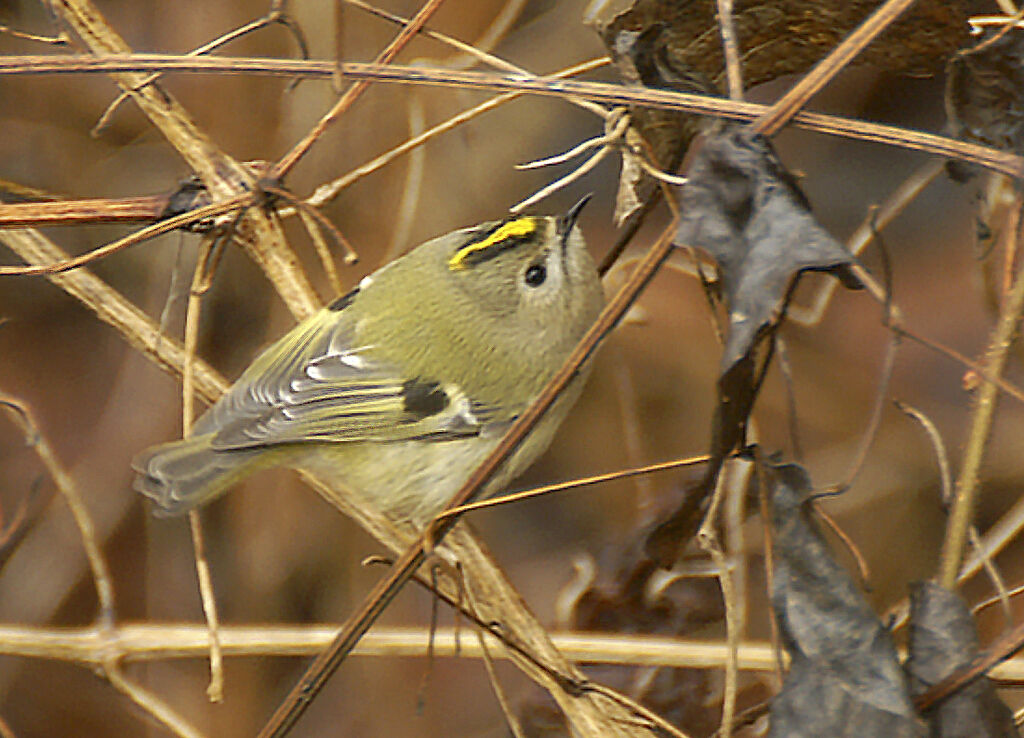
(23, 417)
(652, 719)
(375, 602)
(140, 331)
(330, 190)
(150, 703)
(561, 486)
(870, 432)
(738, 476)
(612, 94)
(897, 324)
(615, 129)
(145, 208)
(876, 219)
(107, 658)
(945, 477)
(978, 435)
(506, 708)
(730, 48)
(274, 15)
(353, 93)
(475, 51)
(1005, 646)
(223, 176)
(146, 642)
(995, 539)
(61, 39)
(201, 277)
(824, 71)
(157, 229)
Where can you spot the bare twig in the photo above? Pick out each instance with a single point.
(152, 704)
(276, 14)
(733, 71)
(1005, 646)
(107, 658)
(996, 538)
(328, 191)
(157, 229)
(61, 39)
(476, 51)
(615, 129)
(985, 156)
(506, 708)
(111, 307)
(200, 283)
(897, 324)
(945, 477)
(652, 720)
(353, 93)
(223, 176)
(737, 474)
(873, 223)
(980, 429)
(325, 664)
(143, 642)
(144, 209)
(824, 71)
(22, 416)
(561, 486)
(874, 422)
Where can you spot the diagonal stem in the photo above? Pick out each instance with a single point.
(355, 91)
(373, 605)
(824, 71)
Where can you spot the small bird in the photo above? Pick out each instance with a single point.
(397, 390)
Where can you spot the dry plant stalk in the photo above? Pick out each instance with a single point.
(496, 599)
(223, 176)
(997, 160)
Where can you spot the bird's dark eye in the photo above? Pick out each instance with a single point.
(535, 275)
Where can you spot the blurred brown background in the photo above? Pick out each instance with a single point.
(281, 555)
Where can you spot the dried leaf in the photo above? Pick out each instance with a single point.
(746, 210)
(985, 93)
(943, 639)
(784, 37)
(742, 207)
(844, 679)
(985, 97)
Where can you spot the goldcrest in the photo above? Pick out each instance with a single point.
(397, 390)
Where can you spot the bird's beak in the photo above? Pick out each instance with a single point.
(566, 222)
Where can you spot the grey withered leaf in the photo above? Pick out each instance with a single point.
(844, 678)
(742, 207)
(943, 639)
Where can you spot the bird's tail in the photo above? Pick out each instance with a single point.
(181, 475)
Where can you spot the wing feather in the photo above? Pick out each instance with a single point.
(318, 384)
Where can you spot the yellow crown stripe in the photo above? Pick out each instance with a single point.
(514, 230)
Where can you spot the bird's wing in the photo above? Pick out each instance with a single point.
(317, 385)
